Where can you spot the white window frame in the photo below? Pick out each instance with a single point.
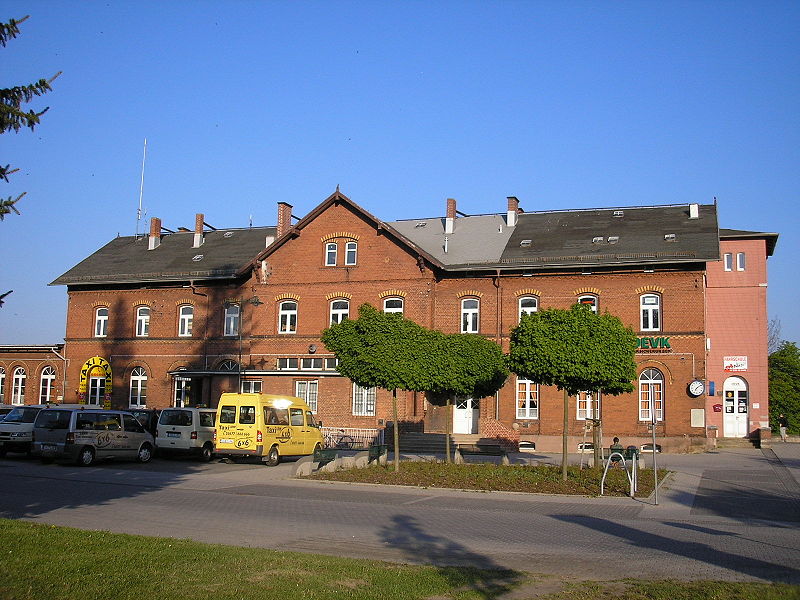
(311, 363)
(288, 364)
(727, 260)
(650, 312)
(2, 385)
(364, 400)
(339, 313)
(101, 321)
(308, 390)
(587, 405)
(651, 390)
(142, 321)
(18, 386)
(590, 300)
(741, 261)
(251, 386)
(393, 309)
(232, 320)
(350, 253)
(97, 390)
(137, 397)
(470, 315)
(526, 310)
(331, 250)
(527, 400)
(287, 317)
(185, 320)
(46, 381)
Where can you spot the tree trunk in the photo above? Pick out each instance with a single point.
(597, 442)
(564, 438)
(447, 427)
(396, 432)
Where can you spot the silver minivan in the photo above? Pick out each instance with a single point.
(16, 429)
(186, 431)
(85, 435)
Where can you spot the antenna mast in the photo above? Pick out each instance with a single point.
(141, 190)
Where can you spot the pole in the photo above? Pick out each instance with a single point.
(655, 466)
(141, 189)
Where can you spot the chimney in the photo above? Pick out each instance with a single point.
(199, 218)
(284, 218)
(513, 209)
(450, 219)
(694, 211)
(155, 233)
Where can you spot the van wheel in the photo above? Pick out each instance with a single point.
(145, 453)
(85, 457)
(273, 458)
(207, 453)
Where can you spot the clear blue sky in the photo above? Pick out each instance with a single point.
(403, 104)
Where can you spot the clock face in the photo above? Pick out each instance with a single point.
(696, 388)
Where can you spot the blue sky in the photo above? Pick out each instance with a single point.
(402, 104)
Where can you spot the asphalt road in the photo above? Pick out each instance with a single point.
(733, 515)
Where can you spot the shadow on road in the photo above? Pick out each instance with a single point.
(461, 567)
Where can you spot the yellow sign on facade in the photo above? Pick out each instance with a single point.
(96, 363)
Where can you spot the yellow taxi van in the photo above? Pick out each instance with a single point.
(265, 425)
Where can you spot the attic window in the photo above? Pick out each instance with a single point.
(420, 224)
(228, 234)
(525, 243)
(618, 214)
(669, 237)
(598, 239)
(197, 257)
(613, 239)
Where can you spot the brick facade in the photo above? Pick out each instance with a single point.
(31, 374)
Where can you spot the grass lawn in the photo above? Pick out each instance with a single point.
(55, 563)
(544, 479)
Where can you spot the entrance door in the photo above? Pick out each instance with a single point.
(183, 392)
(97, 391)
(465, 416)
(736, 406)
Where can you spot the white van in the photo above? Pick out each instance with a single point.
(16, 429)
(186, 431)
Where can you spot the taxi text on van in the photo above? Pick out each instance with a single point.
(265, 425)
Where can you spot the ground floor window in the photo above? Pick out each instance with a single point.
(138, 394)
(251, 386)
(18, 386)
(97, 391)
(183, 392)
(588, 405)
(527, 399)
(307, 390)
(651, 395)
(363, 401)
(46, 385)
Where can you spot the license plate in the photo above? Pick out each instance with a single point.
(50, 448)
(226, 441)
(173, 434)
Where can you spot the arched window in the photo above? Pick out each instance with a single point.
(650, 310)
(350, 253)
(185, 320)
(393, 305)
(142, 321)
(588, 300)
(228, 365)
(18, 386)
(101, 321)
(651, 395)
(46, 381)
(231, 320)
(138, 396)
(340, 310)
(287, 317)
(331, 249)
(528, 305)
(2, 385)
(469, 315)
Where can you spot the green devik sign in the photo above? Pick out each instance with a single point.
(653, 343)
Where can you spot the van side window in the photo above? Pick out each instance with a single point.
(109, 422)
(85, 421)
(131, 424)
(310, 419)
(227, 414)
(207, 419)
(247, 415)
(53, 419)
(296, 417)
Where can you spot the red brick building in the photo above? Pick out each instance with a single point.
(178, 318)
(32, 374)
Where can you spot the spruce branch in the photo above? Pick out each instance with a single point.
(10, 30)
(7, 205)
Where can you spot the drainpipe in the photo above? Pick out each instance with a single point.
(64, 379)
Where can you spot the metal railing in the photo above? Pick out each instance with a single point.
(351, 438)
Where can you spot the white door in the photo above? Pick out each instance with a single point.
(97, 390)
(465, 416)
(736, 406)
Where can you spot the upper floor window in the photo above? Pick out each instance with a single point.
(232, 319)
(363, 401)
(527, 399)
(650, 305)
(291, 364)
(101, 322)
(138, 393)
(528, 305)
(340, 310)
(587, 405)
(330, 254)
(588, 300)
(469, 315)
(185, 320)
(728, 261)
(740, 261)
(393, 305)
(287, 317)
(251, 386)
(651, 395)
(350, 253)
(46, 385)
(18, 386)
(142, 321)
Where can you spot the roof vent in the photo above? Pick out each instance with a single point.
(613, 239)
(670, 237)
(598, 239)
(228, 234)
(619, 214)
(420, 224)
(197, 257)
(525, 243)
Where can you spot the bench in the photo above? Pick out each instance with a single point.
(324, 456)
(376, 452)
(481, 450)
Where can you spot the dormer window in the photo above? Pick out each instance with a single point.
(613, 239)
(525, 243)
(670, 237)
(598, 239)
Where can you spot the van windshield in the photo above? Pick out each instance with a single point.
(53, 419)
(181, 418)
(22, 415)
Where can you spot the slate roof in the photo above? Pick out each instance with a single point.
(739, 234)
(127, 259)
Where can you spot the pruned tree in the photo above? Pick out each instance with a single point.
(12, 116)
(574, 350)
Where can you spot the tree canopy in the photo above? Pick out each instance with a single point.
(784, 385)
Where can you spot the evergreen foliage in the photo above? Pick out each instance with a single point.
(784, 386)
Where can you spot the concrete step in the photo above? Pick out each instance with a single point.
(737, 443)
